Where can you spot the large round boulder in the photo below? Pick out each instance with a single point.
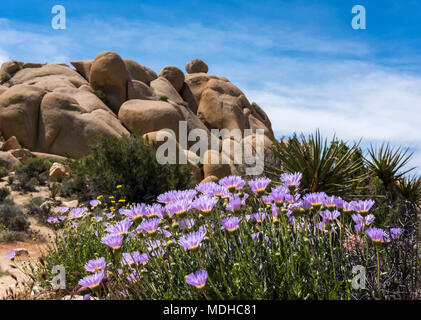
(147, 116)
(109, 74)
(174, 75)
(196, 66)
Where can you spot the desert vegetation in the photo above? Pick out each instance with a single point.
(296, 235)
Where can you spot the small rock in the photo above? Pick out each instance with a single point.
(11, 144)
(71, 204)
(59, 171)
(22, 154)
(210, 179)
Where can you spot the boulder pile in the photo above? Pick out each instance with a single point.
(56, 110)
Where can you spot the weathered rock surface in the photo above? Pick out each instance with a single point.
(139, 72)
(109, 74)
(54, 110)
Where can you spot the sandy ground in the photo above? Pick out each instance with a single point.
(34, 248)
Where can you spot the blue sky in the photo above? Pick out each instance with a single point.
(300, 60)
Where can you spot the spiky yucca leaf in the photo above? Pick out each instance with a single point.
(329, 167)
(410, 189)
(388, 164)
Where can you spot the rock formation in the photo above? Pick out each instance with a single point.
(56, 110)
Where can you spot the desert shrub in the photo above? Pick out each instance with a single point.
(4, 77)
(3, 172)
(410, 189)
(326, 166)
(163, 98)
(32, 173)
(129, 161)
(39, 208)
(275, 247)
(12, 218)
(4, 193)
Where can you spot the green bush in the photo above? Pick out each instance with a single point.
(12, 218)
(5, 77)
(33, 172)
(4, 193)
(3, 172)
(129, 161)
(39, 208)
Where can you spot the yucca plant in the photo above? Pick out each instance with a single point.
(326, 166)
(388, 164)
(410, 189)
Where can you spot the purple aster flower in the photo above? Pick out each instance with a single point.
(110, 215)
(96, 265)
(359, 228)
(258, 217)
(94, 203)
(330, 202)
(154, 210)
(362, 207)
(114, 241)
(166, 233)
(275, 210)
(359, 219)
(197, 279)
(396, 233)
(167, 197)
(291, 180)
(150, 225)
(134, 258)
(267, 199)
(133, 277)
(232, 183)
(87, 297)
(52, 220)
(12, 254)
(78, 212)
(120, 228)
(135, 212)
(92, 281)
(327, 227)
(98, 218)
(158, 253)
(328, 215)
(377, 235)
(154, 244)
(205, 203)
(207, 187)
(230, 224)
(63, 209)
(236, 203)
(192, 240)
(186, 223)
(259, 185)
(257, 236)
(348, 207)
(179, 207)
(61, 218)
(316, 199)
